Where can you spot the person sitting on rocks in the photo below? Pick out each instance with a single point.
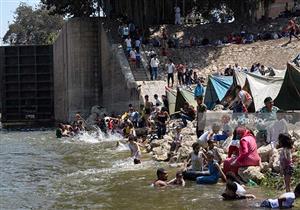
(228, 71)
(176, 144)
(249, 39)
(178, 180)
(196, 162)
(162, 178)
(268, 114)
(195, 78)
(147, 107)
(269, 111)
(285, 201)
(162, 118)
(187, 113)
(212, 147)
(214, 169)
(209, 135)
(242, 100)
(156, 100)
(248, 155)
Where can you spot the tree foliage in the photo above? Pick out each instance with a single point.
(72, 8)
(147, 12)
(33, 26)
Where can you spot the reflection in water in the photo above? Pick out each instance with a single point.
(90, 171)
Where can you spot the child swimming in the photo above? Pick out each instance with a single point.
(231, 192)
(286, 200)
(178, 180)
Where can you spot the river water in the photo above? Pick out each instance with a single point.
(39, 171)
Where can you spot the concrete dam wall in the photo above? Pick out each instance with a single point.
(89, 70)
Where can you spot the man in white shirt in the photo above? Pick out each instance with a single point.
(154, 63)
(125, 31)
(170, 69)
(128, 45)
(137, 44)
(237, 67)
(177, 16)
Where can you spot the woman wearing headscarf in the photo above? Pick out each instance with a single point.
(247, 154)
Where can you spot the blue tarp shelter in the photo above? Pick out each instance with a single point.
(217, 87)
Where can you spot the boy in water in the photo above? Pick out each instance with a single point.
(231, 192)
(178, 180)
(286, 200)
(134, 149)
(162, 177)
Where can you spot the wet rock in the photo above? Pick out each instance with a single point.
(274, 161)
(161, 153)
(265, 152)
(183, 153)
(265, 167)
(253, 173)
(157, 143)
(188, 130)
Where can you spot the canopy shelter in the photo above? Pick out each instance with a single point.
(217, 87)
(171, 95)
(288, 97)
(239, 78)
(261, 87)
(184, 95)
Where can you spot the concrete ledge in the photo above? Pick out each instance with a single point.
(125, 68)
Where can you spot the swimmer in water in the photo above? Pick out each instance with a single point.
(162, 178)
(134, 149)
(178, 180)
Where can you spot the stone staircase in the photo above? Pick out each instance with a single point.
(139, 73)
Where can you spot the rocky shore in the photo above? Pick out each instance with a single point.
(160, 149)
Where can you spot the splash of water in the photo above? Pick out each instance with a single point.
(117, 166)
(93, 137)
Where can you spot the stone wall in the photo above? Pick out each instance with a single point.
(89, 70)
(119, 86)
(76, 69)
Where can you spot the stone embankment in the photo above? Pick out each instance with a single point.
(160, 149)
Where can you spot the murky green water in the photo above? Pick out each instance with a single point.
(40, 172)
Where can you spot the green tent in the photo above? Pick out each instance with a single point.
(184, 95)
(171, 95)
(288, 97)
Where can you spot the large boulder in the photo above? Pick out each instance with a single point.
(274, 161)
(183, 153)
(161, 153)
(157, 143)
(253, 173)
(188, 130)
(265, 152)
(265, 168)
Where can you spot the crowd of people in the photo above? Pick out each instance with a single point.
(204, 164)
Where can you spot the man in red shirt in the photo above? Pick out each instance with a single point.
(292, 28)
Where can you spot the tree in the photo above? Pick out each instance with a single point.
(33, 26)
(72, 8)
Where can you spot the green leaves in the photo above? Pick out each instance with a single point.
(33, 26)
